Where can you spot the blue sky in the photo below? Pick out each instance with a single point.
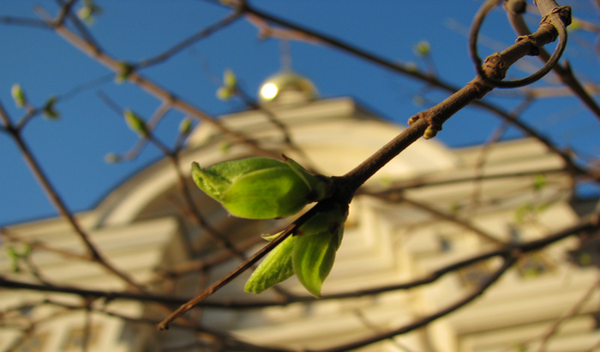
(72, 149)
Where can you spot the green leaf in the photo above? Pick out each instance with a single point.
(275, 268)
(313, 258)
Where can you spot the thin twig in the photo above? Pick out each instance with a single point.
(57, 201)
(29, 22)
(564, 71)
(231, 18)
(569, 314)
(508, 262)
(589, 224)
(410, 72)
(157, 91)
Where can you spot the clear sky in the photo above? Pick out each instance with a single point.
(72, 149)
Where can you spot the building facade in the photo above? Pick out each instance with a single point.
(402, 227)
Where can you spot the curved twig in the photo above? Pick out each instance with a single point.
(559, 19)
(564, 72)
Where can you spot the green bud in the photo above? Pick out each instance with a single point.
(224, 93)
(422, 49)
(326, 221)
(313, 258)
(260, 188)
(430, 132)
(111, 158)
(185, 126)
(18, 95)
(135, 123)
(88, 11)
(413, 119)
(49, 110)
(310, 255)
(125, 69)
(229, 79)
(275, 268)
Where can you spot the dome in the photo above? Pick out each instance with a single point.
(287, 87)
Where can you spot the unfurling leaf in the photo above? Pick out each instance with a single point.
(310, 255)
(313, 259)
(260, 188)
(275, 268)
(135, 123)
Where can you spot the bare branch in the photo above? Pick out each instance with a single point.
(191, 40)
(508, 262)
(57, 201)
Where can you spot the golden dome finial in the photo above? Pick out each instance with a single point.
(285, 87)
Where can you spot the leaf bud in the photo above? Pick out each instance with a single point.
(224, 93)
(185, 126)
(309, 254)
(229, 79)
(125, 70)
(275, 268)
(111, 158)
(260, 188)
(313, 257)
(423, 48)
(18, 95)
(49, 110)
(135, 123)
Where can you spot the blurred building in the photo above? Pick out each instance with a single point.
(511, 191)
